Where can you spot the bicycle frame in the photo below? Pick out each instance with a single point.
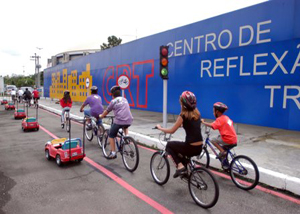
(190, 162)
(119, 143)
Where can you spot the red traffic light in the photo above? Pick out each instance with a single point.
(164, 51)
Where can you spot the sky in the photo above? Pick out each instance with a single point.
(49, 27)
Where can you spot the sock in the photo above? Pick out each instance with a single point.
(113, 153)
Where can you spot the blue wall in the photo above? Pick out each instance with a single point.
(248, 59)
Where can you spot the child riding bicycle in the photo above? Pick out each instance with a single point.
(96, 107)
(225, 126)
(189, 118)
(36, 95)
(66, 104)
(123, 117)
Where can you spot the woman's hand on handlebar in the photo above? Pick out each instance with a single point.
(158, 126)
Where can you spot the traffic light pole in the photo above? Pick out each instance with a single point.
(165, 115)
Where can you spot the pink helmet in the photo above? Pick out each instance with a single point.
(188, 100)
(220, 107)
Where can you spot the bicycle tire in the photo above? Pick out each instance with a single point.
(89, 133)
(244, 172)
(130, 154)
(106, 148)
(163, 165)
(202, 180)
(67, 122)
(204, 158)
(100, 134)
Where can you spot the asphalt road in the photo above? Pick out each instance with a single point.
(32, 184)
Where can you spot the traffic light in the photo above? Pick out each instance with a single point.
(164, 62)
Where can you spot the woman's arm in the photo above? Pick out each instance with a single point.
(172, 130)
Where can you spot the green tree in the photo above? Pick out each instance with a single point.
(112, 42)
(19, 80)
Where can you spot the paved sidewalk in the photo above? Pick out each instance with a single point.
(275, 151)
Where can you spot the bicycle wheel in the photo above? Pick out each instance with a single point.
(100, 134)
(67, 122)
(203, 159)
(244, 172)
(130, 154)
(89, 133)
(106, 148)
(203, 188)
(160, 168)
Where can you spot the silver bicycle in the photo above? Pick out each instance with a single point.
(93, 129)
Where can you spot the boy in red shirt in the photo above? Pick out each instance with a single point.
(66, 104)
(225, 126)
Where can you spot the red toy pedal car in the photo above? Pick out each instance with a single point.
(3, 102)
(30, 124)
(19, 114)
(61, 150)
(10, 106)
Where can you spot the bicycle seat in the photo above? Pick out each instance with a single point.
(67, 110)
(228, 147)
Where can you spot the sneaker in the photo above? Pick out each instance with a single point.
(111, 156)
(179, 172)
(62, 125)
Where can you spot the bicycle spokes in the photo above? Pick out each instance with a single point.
(244, 172)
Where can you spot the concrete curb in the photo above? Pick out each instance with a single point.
(271, 178)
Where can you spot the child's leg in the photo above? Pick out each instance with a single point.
(125, 130)
(216, 143)
(63, 116)
(112, 144)
(218, 146)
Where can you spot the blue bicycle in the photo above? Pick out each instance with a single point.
(242, 169)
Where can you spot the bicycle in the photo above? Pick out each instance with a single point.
(92, 129)
(242, 169)
(67, 118)
(203, 187)
(36, 102)
(126, 146)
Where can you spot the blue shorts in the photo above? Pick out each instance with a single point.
(87, 112)
(113, 132)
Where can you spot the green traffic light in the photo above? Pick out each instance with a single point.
(164, 72)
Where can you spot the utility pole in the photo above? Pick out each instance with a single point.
(37, 69)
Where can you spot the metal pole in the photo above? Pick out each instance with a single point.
(122, 93)
(38, 72)
(69, 121)
(35, 69)
(165, 89)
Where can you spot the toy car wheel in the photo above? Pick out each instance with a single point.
(58, 160)
(79, 160)
(47, 154)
